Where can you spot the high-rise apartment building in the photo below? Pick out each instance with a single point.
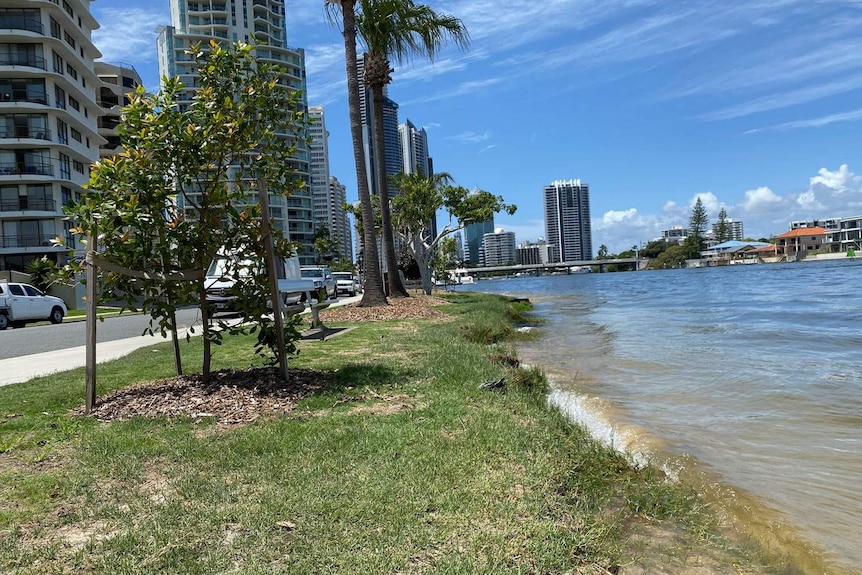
(390, 136)
(474, 233)
(414, 149)
(48, 123)
(567, 220)
(341, 231)
(199, 21)
(319, 167)
(117, 82)
(734, 227)
(498, 248)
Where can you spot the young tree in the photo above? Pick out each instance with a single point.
(373, 294)
(421, 196)
(397, 29)
(239, 131)
(724, 230)
(697, 223)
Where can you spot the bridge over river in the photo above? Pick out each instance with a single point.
(558, 267)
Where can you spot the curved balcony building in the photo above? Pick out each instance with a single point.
(49, 118)
(199, 21)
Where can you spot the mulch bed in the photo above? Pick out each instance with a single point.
(230, 397)
(414, 307)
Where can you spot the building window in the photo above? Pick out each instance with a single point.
(68, 9)
(71, 71)
(79, 166)
(65, 195)
(69, 40)
(58, 63)
(60, 97)
(65, 172)
(76, 135)
(62, 132)
(55, 29)
(74, 103)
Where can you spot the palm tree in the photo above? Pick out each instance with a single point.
(373, 294)
(398, 29)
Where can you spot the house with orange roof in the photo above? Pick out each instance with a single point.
(795, 244)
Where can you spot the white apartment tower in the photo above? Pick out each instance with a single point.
(48, 123)
(498, 248)
(319, 167)
(414, 149)
(199, 21)
(567, 220)
(340, 229)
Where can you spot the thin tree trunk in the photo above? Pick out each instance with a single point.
(373, 294)
(207, 331)
(396, 288)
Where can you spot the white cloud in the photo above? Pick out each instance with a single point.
(841, 181)
(760, 200)
(808, 201)
(614, 217)
(127, 34)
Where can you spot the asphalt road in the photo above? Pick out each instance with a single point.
(17, 342)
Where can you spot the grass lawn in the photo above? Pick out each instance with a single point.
(401, 465)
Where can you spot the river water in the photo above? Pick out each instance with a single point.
(746, 380)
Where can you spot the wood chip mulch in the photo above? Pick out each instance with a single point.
(413, 307)
(230, 397)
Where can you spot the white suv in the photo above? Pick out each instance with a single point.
(22, 303)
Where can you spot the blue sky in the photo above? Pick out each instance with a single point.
(754, 105)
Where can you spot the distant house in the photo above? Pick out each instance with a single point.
(734, 252)
(796, 243)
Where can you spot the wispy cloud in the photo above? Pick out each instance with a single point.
(130, 34)
(470, 137)
(471, 88)
(814, 122)
(785, 99)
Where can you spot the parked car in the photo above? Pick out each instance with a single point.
(322, 277)
(22, 303)
(224, 271)
(346, 283)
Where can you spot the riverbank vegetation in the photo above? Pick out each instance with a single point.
(399, 446)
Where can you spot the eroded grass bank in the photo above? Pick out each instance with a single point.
(399, 464)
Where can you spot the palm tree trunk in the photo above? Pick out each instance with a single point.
(373, 295)
(396, 288)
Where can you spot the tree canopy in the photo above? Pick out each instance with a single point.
(421, 196)
(177, 195)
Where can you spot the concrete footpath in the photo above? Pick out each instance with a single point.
(24, 368)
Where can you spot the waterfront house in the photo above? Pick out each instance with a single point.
(796, 244)
(733, 252)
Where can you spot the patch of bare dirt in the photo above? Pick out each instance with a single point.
(413, 307)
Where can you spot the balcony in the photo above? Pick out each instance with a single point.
(26, 203)
(26, 241)
(17, 169)
(23, 60)
(21, 132)
(21, 23)
(24, 96)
